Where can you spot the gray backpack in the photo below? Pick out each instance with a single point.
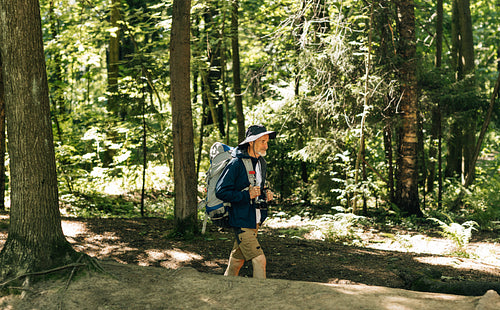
(215, 209)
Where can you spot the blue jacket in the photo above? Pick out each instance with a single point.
(230, 188)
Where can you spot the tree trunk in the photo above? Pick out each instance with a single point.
(235, 46)
(361, 150)
(436, 110)
(407, 189)
(388, 157)
(304, 174)
(454, 152)
(182, 120)
(384, 17)
(58, 101)
(439, 33)
(2, 141)
(212, 76)
(475, 154)
(433, 148)
(467, 59)
(421, 156)
(114, 57)
(223, 78)
(463, 58)
(35, 241)
(466, 45)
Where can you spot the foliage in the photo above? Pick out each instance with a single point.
(460, 234)
(481, 202)
(303, 66)
(339, 227)
(342, 228)
(95, 204)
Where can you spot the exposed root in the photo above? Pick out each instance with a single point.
(38, 273)
(89, 262)
(73, 271)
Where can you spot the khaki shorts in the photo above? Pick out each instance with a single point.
(246, 246)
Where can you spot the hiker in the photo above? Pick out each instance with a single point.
(248, 201)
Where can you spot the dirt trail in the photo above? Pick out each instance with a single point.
(154, 271)
(138, 287)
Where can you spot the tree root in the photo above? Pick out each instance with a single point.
(38, 273)
(91, 263)
(73, 272)
(430, 280)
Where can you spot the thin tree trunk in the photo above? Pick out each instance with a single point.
(185, 210)
(466, 37)
(462, 139)
(300, 139)
(209, 100)
(200, 144)
(454, 152)
(477, 149)
(431, 166)
(144, 152)
(114, 56)
(223, 78)
(436, 111)
(361, 149)
(388, 158)
(196, 88)
(387, 50)
(235, 47)
(421, 158)
(213, 74)
(58, 102)
(439, 33)
(440, 163)
(2, 140)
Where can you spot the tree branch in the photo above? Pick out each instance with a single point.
(475, 155)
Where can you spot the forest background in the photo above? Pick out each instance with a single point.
(379, 109)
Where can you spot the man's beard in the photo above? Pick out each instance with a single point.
(261, 153)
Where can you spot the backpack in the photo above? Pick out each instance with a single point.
(216, 209)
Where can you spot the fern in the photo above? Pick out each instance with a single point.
(459, 234)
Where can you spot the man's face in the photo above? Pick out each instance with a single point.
(259, 146)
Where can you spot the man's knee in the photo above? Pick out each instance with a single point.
(261, 259)
(233, 267)
(259, 266)
(236, 262)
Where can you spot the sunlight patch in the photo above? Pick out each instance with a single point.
(181, 256)
(214, 263)
(486, 253)
(458, 263)
(155, 255)
(72, 229)
(3, 237)
(171, 259)
(114, 188)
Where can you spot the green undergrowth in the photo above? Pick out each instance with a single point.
(94, 204)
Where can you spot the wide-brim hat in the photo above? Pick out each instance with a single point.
(254, 132)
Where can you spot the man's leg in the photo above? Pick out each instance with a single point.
(259, 267)
(234, 266)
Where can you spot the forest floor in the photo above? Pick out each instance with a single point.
(394, 258)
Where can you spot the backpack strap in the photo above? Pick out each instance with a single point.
(250, 171)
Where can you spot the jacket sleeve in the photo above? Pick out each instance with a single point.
(230, 185)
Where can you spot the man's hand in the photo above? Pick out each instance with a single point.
(254, 191)
(269, 195)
